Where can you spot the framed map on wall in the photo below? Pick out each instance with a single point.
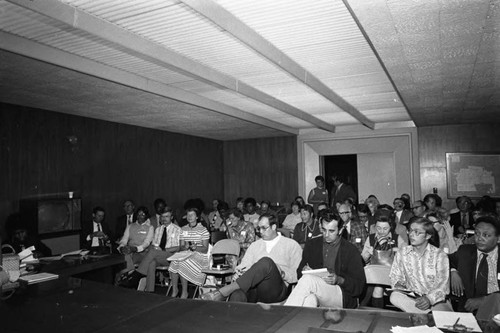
(473, 174)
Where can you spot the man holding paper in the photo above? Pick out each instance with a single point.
(345, 280)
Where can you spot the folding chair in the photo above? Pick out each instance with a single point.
(377, 275)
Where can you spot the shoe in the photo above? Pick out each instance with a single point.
(213, 296)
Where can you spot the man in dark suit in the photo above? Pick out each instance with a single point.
(462, 220)
(475, 267)
(124, 220)
(95, 235)
(159, 205)
(346, 278)
(400, 215)
(341, 192)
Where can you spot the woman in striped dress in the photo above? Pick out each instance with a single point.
(194, 237)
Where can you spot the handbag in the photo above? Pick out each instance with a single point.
(10, 264)
(382, 257)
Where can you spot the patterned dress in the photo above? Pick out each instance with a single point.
(190, 268)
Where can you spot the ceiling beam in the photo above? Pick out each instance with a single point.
(57, 57)
(161, 55)
(250, 37)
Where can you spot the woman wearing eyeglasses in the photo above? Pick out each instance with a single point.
(420, 271)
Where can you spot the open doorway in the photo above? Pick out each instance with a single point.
(345, 166)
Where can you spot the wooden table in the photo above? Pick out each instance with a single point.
(97, 307)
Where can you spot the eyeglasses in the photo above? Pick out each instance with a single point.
(263, 229)
(484, 235)
(344, 213)
(416, 232)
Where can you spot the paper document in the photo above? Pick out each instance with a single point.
(415, 329)
(446, 320)
(37, 278)
(321, 272)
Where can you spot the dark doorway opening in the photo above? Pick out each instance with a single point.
(341, 165)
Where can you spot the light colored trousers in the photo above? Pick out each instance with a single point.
(313, 291)
(407, 304)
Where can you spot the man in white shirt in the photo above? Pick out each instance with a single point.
(268, 267)
(165, 243)
(96, 235)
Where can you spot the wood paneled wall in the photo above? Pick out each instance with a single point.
(265, 169)
(436, 141)
(109, 162)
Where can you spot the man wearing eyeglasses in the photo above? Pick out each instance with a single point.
(475, 268)
(268, 267)
(353, 231)
(418, 208)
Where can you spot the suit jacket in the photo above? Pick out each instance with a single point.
(120, 226)
(405, 216)
(348, 265)
(87, 229)
(465, 262)
(358, 235)
(155, 222)
(456, 222)
(342, 194)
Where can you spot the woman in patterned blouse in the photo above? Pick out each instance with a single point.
(421, 271)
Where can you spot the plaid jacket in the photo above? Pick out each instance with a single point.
(358, 235)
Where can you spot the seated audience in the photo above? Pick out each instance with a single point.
(124, 220)
(352, 231)
(346, 278)
(475, 268)
(421, 268)
(407, 200)
(251, 215)
(363, 212)
(318, 194)
(462, 220)
(165, 243)
(268, 267)
(136, 239)
(372, 203)
(292, 219)
(194, 237)
(240, 230)
(96, 235)
(308, 228)
(380, 249)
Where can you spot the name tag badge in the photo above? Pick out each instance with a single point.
(358, 240)
(243, 233)
(142, 232)
(184, 233)
(470, 232)
(498, 276)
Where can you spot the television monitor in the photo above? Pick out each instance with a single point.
(49, 216)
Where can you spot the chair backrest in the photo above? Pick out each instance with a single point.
(378, 274)
(216, 236)
(227, 246)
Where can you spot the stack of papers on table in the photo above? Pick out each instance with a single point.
(446, 320)
(37, 278)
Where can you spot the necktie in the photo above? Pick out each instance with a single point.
(482, 278)
(464, 221)
(163, 241)
(129, 219)
(101, 243)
